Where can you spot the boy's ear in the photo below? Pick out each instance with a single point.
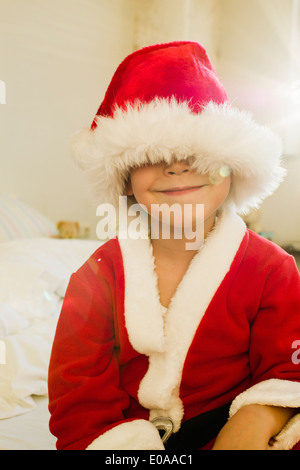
(128, 188)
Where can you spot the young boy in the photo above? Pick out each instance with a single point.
(158, 345)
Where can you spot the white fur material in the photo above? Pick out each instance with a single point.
(165, 336)
(275, 392)
(164, 129)
(133, 435)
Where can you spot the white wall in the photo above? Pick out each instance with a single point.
(255, 66)
(57, 57)
(159, 21)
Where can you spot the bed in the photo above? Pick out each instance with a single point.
(35, 269)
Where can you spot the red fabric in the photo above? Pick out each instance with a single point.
(181, 69)
(244, 337)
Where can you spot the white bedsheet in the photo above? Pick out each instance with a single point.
(28, 431)
(34, 274)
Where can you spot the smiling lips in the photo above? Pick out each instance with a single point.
(181, 191)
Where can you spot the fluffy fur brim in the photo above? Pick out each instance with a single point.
(164, 129)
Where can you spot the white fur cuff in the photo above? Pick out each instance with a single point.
(275, 392)
(133, 435)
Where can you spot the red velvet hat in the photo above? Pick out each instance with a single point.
(166, 101)
(179, 69)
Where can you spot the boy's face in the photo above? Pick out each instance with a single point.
(178, 183)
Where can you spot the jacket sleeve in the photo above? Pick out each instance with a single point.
(274, 333)
(85, 401)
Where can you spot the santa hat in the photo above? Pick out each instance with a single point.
(166, 101)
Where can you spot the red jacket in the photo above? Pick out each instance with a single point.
(229, 335)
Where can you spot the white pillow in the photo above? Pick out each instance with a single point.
(20, 220)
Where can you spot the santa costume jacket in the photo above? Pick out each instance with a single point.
(120, 359)
(231, 332)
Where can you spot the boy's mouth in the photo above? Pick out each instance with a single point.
(181, 190)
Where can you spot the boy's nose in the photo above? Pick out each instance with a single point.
(177, 168)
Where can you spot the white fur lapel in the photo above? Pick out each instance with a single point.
(166, 336)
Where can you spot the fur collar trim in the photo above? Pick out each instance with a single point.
(165, 336)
